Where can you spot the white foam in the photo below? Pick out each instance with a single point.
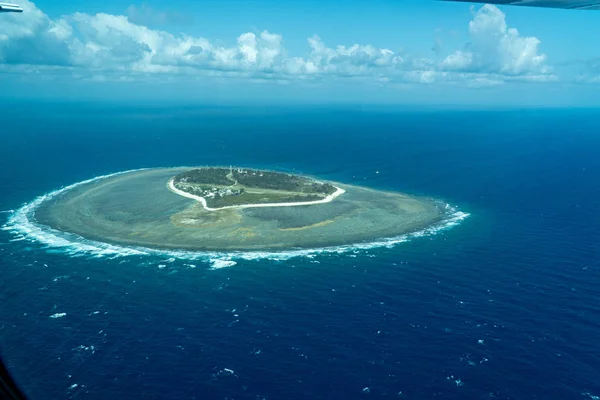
(22, 224)
(217, 264)
(591, 396)
(224, 372)
(83, 348)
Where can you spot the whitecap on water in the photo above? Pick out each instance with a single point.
(217, 264)
(82, 348)
(590, 396)
(22, 224)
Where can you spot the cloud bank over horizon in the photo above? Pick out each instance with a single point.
(113, 47)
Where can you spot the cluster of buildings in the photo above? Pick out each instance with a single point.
(208, 193)
(243, 171)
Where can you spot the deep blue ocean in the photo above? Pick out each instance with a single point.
(505, 305)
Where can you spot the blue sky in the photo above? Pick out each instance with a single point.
(405, 52)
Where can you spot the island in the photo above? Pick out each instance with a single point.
(233, 209)
(218, 188)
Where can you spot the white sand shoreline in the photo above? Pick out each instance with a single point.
(200, 199)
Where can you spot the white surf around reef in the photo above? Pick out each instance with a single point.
(22, 224)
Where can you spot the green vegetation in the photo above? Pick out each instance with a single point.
(281, 181)
(222, 187)
(258, 198)
(210, 176)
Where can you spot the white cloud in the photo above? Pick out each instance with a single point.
(350, 61)
(110, 45)
(459, 60)
(496, 48)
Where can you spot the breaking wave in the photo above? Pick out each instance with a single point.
(22, 224)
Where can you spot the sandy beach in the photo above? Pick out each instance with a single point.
(327, 199)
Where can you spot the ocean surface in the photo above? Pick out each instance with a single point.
(502, 303)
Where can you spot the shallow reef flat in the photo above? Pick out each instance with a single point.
(138, 209)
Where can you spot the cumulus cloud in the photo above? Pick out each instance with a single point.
(125, 47)
(33, 40)
(495, 48)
